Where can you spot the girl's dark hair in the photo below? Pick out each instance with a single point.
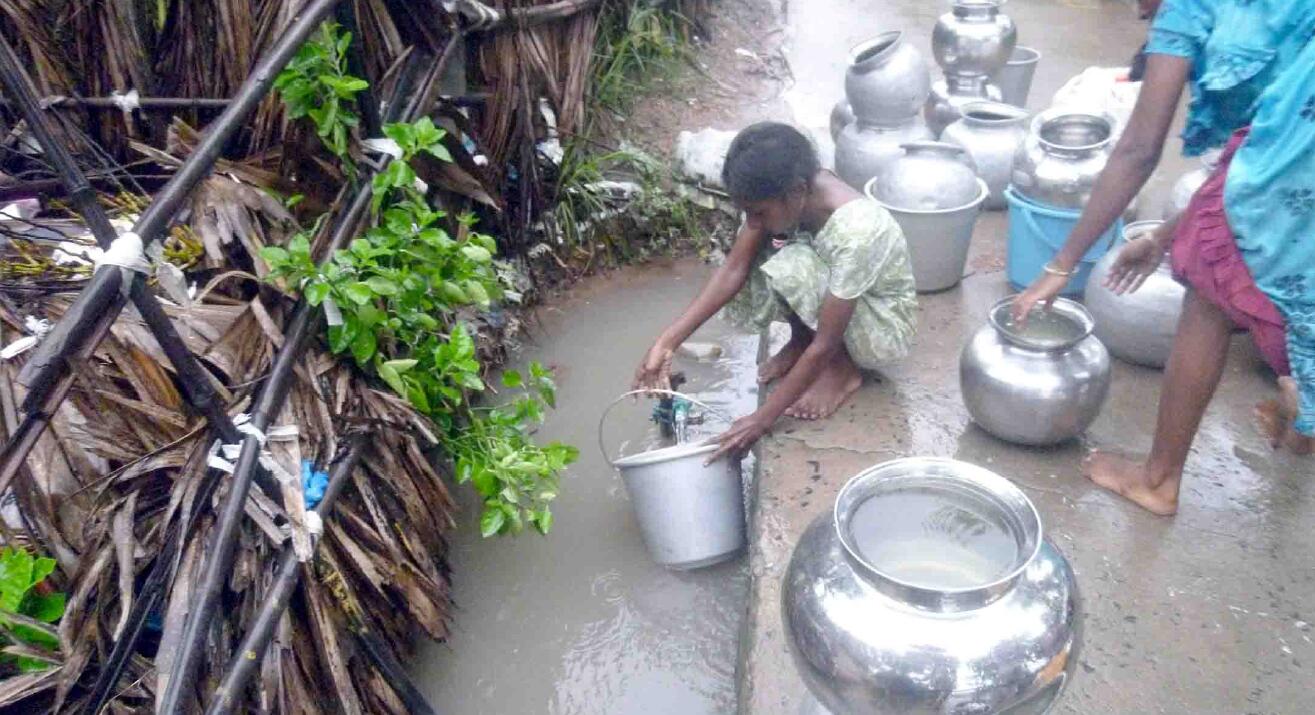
(766, 160)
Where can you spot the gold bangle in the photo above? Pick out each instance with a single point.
(1049, 268)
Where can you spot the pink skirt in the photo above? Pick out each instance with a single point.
(1205, 256)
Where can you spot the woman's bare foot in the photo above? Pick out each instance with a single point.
(1274, 418)
(837, 381)
(785, 358)
(1133, 481)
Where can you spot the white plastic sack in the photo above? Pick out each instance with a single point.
(1101, 90)
(700, 155)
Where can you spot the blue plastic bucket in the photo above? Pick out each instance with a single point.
(1037, 232)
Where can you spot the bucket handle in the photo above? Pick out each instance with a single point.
(602, 446)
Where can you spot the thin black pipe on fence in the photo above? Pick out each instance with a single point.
(246, 660)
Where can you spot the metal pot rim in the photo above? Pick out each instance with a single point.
(983, 191)
(1056, 113)
(1008, 497)
(1032, 56)
(964, 5)
(1011, 114)
(665, 454)
(891, 39)
(1066, 306)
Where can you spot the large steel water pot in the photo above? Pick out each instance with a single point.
(927, 176)
(949, 96)
(862, 150)
(887, 80)
(842, 115)
(974, 37)
(1039, 384)
(991, 132)
(1186, 186)
(931, 589)
(1060, 159)
(938, 239)
(1015, 78)
(690, 514)
(1139, 326)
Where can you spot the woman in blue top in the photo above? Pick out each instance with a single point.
(1245, 247)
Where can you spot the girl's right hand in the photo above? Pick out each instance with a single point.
(1137, 260)
(654, 373)
(1043, 291)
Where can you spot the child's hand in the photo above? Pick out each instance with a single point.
(654, 373)
(740, 438)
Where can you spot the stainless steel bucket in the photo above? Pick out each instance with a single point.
(690, 514)
(1015, 77)
(938, 240)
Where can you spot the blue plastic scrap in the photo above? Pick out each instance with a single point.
(313, 483)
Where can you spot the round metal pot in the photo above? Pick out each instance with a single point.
(887, 81)
(1138, 327)
(938, 239)
(974, 37)
(949, 96)
(1041, 384)
(1061, 157)
(930, 588)
(991, 132)
(842, 115)
(1185, 188)
(1015, 78)
(927, 176)
(862, 150)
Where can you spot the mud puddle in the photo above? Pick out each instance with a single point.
(582, 622)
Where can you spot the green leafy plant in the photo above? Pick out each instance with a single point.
(398, 289)
(635, 44)
(23, 593)
(316, 84)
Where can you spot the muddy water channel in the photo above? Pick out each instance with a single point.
(581, 621)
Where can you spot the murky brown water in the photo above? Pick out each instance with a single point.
(581, 622)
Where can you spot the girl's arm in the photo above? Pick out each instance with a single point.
(832, 320)
(1133, 161)
(655, 371)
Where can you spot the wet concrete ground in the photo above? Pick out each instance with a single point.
(582, 622)
(1206, 612)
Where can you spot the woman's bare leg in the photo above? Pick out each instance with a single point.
(779, 364)
(832, 386)
(1196, 364)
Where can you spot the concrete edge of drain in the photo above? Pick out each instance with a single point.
(743, 684)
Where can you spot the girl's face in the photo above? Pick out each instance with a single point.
(777, 216)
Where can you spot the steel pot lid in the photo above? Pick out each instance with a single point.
(1065, 324)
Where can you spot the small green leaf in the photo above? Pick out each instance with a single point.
(274, 255)
(299, 245)
(316, 292)
(471, 381)
(47, 609)
(485, 482)
(453, 293)
(389, 375)
(478, 254)
(543, 520)
(511, 378)
(363, 346)
(477, 293)
(369, 316)
(401, 366)
(340, 337)
(491, 521)
(382, 286)
(358, 292)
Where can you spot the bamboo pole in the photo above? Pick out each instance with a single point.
(287, 575)
(224, 538)
(521, 18)
(102, 298)
(144, 103)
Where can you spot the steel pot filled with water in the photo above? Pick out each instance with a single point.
(930, 588)
(887, 80)
(974, 37)
(1058, 163)
(1138, 326)
(1040, 383)
(690, 514)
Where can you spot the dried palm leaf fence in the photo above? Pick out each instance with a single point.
(163, 404)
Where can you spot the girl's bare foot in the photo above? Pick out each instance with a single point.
(1275, 418)
(1133, 481)
(780, 363)
(837, 381)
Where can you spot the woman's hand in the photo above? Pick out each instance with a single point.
(1137, 260)
(654, 373)
(1043, 290)
(740, 438)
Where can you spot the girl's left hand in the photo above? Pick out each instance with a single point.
(740, 438)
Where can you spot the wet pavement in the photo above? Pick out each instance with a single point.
(581, 622)
(1206, 612)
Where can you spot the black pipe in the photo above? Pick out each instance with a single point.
(102, 294)
(287, 575)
